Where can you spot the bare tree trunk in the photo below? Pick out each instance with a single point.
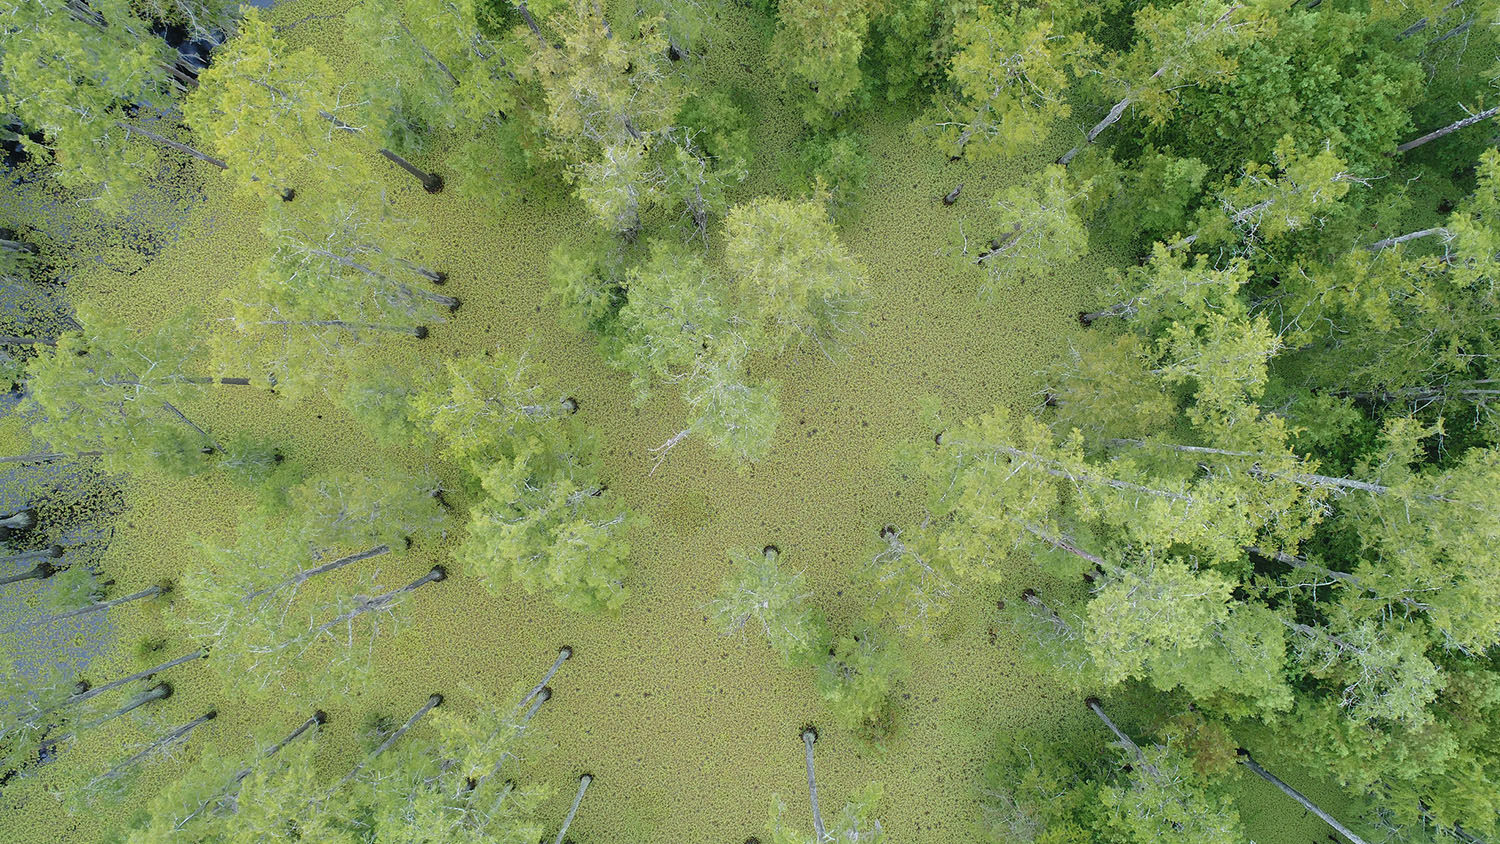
(318, 718)
(563, 655)
(42, 570)
(47, 457)
(139, 675)
(11, 340)
(433, 702)
(161, 691)
(381, 602)
(1249, 762)
(307, 574)
(168, 142)
(419, 332)
(1135, 749)
(1449, 129)
(149, 592)
(583, 785)
(1400, 239)
(431, 182)
(154, 746)
(1108, 121)
(809, 737)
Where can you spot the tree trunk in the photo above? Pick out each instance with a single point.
(169, 407)
(20, 520)
(1249, 762)
(46, 457)
(17, 246)
(1135, 750)
(307, 574)
(431, 182)
(149, 592)
(154, 746)
(11, 340)
(139, 675)
(419, 332)
(563, 655)
(1051, 467)
(318, 718)
(161, 691)
(168, 142)
(432, 703)
(1400, 239)
(40, 571)
(1300, 478)
(583, 785)
(1109, 120)
(1449, 129)
(383, 602)
(809, 737)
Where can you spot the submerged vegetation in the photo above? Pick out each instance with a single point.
(1056, 422)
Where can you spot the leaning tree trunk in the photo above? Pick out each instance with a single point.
(168, 142)
(318, 718)
(164, 741)
(13, 340)
(542, 690)
(433, 702)
(583, 785)
(1449, 129)
(419, 332)
(1400, 239)
(123, 681)
(1249, 762)
(809, 737)
(385, 601)
(1135, 749)
(149, 592)
(41, 571)
(160, 691)
(307, 574)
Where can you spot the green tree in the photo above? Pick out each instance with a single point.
(758, 590)
(1041, 229)
(1008, 81)
(240, 601)
(1175, 46)
(85, 78)
(793, 273)
(115, 389)
(858, 680)
(818, 44)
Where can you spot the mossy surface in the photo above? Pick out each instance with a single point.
(687, 733)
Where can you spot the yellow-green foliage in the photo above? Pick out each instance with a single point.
(688, 733)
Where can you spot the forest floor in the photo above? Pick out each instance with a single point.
(688, 733)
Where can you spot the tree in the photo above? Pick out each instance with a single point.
(547, 523)
(857, 681)
(758, 590)
(84, 78)
(546, 520)
(909, 586)
(1178, 45)
(242, 601)
(818, 43)
(610, 104)
(855, 824)
(267, 111)
(1043, 230)
(114, 389)
(793, 273)
(205, 801)
(1008, 78)
(339, 275)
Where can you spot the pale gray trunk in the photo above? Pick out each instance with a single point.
(1249, 762)
(307, 574)
(810, 737)
(1400, 239)
(1449, 129)
(432, 703)
(139, 675)
(563, 655)
(149, 592)
(583, 785)
(154, 746)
